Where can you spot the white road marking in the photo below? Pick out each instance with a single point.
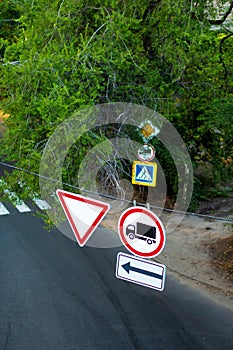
(41, 203)
(3, 210)
(22, 207)
(18, 203)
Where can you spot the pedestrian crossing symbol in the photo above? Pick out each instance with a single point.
(144, 173)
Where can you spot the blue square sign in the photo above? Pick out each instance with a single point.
(144, 173)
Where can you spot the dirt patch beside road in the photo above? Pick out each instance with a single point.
(199, 253)
(190, 254)
(221, 253)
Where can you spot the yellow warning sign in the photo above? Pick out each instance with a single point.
(147, 130)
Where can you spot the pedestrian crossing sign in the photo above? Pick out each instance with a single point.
(144, 173)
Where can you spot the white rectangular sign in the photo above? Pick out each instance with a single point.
(140, 271)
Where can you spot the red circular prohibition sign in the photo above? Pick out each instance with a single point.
(158, 224)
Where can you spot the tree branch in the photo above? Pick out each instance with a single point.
(222, 20)
(147, 42)
(150, 8)
(221, 57)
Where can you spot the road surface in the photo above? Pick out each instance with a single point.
(56, 295)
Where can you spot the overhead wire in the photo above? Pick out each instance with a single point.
(227, 219)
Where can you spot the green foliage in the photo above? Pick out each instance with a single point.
(8, 24)
(62, 56)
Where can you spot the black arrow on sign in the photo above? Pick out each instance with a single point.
(129, 268)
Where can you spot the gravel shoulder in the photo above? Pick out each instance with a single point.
(188, 257)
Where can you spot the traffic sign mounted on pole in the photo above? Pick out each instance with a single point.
(148, 130)
(84, 214)
(144, 173)
(141, 232)
(146, 153)
(140, 271)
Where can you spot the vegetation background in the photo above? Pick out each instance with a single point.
(174, 56)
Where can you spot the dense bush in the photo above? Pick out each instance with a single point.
(61, 56)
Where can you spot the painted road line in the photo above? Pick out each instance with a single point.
(22, 207)
(3, 210)
(17, 202)
(41, 203)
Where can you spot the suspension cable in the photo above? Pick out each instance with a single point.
(229, 220)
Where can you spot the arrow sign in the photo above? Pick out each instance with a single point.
(140, 271)
(129, 268)
(84, 214)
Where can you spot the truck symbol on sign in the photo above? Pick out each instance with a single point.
(142, 231)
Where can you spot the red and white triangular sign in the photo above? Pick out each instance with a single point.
(84, 214)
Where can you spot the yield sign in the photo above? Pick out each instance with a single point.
(84, 214)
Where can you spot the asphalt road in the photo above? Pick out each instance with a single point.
(55, 295)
